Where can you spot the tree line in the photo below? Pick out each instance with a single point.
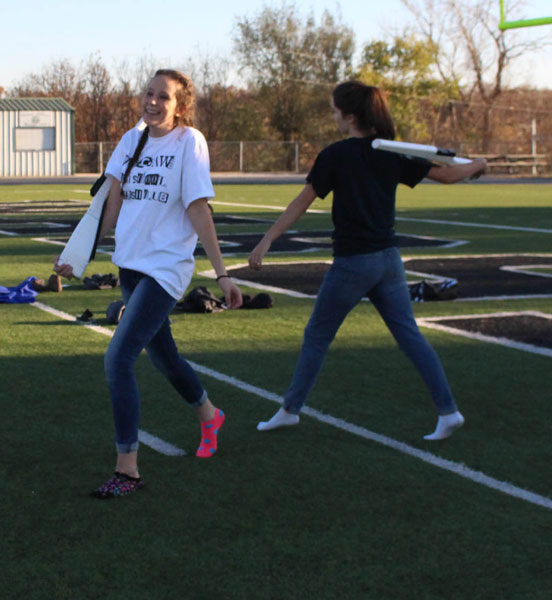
(445, 80)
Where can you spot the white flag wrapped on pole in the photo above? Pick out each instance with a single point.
(433, 153)
(81, 246)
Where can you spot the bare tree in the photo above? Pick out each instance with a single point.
(135, 76)
(471, 50)
(96, 112)
(131, 80)
(291, 60)
(59, 79)
(210, 75)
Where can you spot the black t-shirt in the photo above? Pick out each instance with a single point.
(364, 182)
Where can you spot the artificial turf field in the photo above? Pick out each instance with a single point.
(314, 512)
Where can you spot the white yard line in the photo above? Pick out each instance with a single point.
(482, 225)
(158, 444)
(414, 220)
(528, 270)
(398, 218)
(145, 438)
(271, 288)
(268, 288)
(427, 457)
(268, 206)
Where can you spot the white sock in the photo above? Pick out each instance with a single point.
(280, 419)
(446, 425)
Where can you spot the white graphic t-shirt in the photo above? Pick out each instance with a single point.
(153, 233)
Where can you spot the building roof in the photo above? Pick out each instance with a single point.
(55, 104)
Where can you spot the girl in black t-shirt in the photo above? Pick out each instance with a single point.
(366, 258)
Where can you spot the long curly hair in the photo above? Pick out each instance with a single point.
(185, 106)
(185, 96)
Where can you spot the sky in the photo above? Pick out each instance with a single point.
(36, 33)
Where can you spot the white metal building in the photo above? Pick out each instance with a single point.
(36, 137)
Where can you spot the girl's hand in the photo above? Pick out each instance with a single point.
(63, 270)
(257, 255)
(482, 163)
(232, 293)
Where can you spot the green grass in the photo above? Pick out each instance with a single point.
(307, 513)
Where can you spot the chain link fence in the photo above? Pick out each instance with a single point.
(298, 157)
(242, 157)
(92, 157)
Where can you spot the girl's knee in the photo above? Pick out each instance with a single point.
(116, 363)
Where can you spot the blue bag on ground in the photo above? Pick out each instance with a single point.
(23, 293)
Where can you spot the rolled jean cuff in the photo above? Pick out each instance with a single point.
(199, 402)
(127, 448)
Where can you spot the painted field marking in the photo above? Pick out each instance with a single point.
(529, 270)
(517, 269)
(54, 206)
(145, 438)
(411, 219)
(433, 323)
(268, 206)
(158, 444)
(410, 273)
(415, 220)
(427, 457)
(269, 288)
(482, 225)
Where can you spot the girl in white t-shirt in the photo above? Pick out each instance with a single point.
(158, 204)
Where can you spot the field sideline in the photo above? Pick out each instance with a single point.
(324, 509)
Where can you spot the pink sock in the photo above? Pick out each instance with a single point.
(209, 434)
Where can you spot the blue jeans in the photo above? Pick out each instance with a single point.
(381, 277)
(144, 324)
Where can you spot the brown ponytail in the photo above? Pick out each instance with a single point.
(367, 104)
